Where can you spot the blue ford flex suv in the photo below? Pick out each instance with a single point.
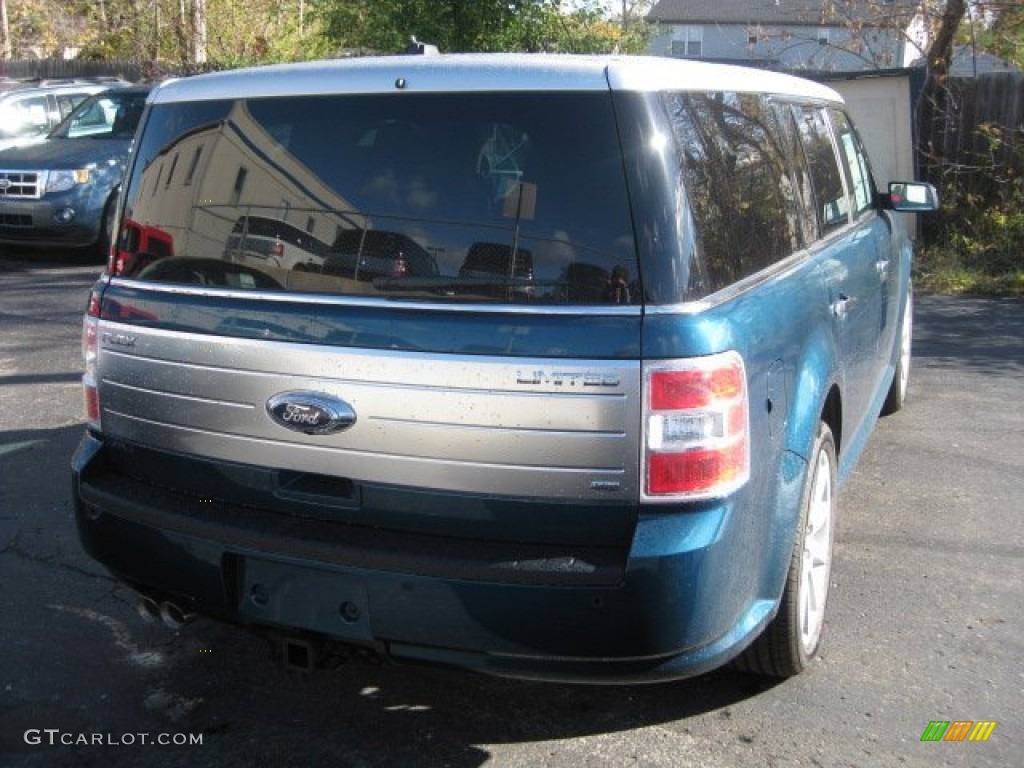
(613, 454)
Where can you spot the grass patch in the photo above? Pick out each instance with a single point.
(943, 270)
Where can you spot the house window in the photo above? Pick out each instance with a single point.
(688, 42)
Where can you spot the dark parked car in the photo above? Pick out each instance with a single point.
(62, 191)
(489, 269)
(367, 254)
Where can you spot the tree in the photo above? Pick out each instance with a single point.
(199, 38)
(940, 52)
(473, 25)
(998, 28)
(633, 14)
(5, 30)
(172, 35)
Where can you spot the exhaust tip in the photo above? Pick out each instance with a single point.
(174, 616)
(148, 609)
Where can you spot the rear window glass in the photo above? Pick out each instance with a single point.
(499, 197)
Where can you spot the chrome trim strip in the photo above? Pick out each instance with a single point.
(175, 395)
(774, 272)
(533, 468)
(588, 310)
(596, 433)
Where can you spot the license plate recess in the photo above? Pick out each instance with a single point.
(305, 597)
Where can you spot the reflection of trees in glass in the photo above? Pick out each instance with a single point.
(821, 159)
(747, 206)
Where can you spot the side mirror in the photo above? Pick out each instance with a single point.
(910, 197)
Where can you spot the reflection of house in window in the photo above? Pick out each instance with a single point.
(193, 165)
(234, 157)
(236, 191)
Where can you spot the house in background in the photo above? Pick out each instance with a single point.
(829, 36)
(969, 62)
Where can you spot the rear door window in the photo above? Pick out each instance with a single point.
(735, 156)
(483, 197)
(832, 206)
(862, 188)
(67, 103)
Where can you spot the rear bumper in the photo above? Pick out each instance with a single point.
(675, 605)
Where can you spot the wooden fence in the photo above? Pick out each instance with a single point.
(68, 68)
(974, 134)
(971, 142)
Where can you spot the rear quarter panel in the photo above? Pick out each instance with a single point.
(782, 326)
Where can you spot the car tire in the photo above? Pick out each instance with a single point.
(897, 396)
(792, 639)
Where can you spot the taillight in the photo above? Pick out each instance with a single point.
(696, 431)
(90, 347)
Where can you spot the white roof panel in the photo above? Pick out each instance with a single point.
(483, 72)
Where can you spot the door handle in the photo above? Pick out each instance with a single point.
(842, 305)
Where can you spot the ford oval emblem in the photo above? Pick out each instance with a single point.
(313, 413)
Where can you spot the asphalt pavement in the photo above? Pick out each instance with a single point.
(924, 623)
